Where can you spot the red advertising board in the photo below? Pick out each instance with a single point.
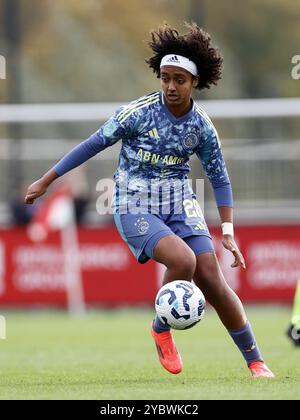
(34, 273)
(272, 256)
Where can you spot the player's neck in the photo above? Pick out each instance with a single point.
(181, 109)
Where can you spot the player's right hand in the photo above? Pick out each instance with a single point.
(37, 189)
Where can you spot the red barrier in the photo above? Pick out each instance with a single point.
(34, 274)
(273, 263)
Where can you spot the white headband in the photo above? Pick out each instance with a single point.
(179, 61)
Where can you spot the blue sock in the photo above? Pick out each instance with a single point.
(159, 326)
(245, 340)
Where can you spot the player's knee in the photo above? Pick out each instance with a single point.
(185, 265)
(177, 257)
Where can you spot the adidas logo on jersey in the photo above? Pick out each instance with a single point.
(173, 59)
(153, 133)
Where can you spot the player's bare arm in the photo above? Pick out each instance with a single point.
(228, 241)
(39, 187)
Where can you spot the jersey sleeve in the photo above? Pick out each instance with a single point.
(211, 157)
(110, 133)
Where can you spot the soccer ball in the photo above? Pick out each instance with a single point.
(180, 304)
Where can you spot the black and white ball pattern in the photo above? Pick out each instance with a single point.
(180, 304)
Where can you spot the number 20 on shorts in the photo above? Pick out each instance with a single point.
(193, 210)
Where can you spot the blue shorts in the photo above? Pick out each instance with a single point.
(142, 232)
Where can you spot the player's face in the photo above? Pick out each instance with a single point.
(177, 85)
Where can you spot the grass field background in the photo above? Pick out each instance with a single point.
(111, 355)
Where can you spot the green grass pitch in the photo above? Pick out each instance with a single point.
(111, 355)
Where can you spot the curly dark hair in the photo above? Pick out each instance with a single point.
(195, 45)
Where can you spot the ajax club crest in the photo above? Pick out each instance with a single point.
(191, 140)
(142, 226)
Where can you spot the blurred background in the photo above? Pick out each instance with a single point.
(70, 63)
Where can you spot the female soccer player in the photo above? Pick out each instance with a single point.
(159, 133)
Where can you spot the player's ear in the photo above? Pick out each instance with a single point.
(195, 81)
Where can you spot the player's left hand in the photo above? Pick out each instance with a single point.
(230, 244)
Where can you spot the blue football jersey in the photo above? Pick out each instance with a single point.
(156, 144)
(156, 148)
